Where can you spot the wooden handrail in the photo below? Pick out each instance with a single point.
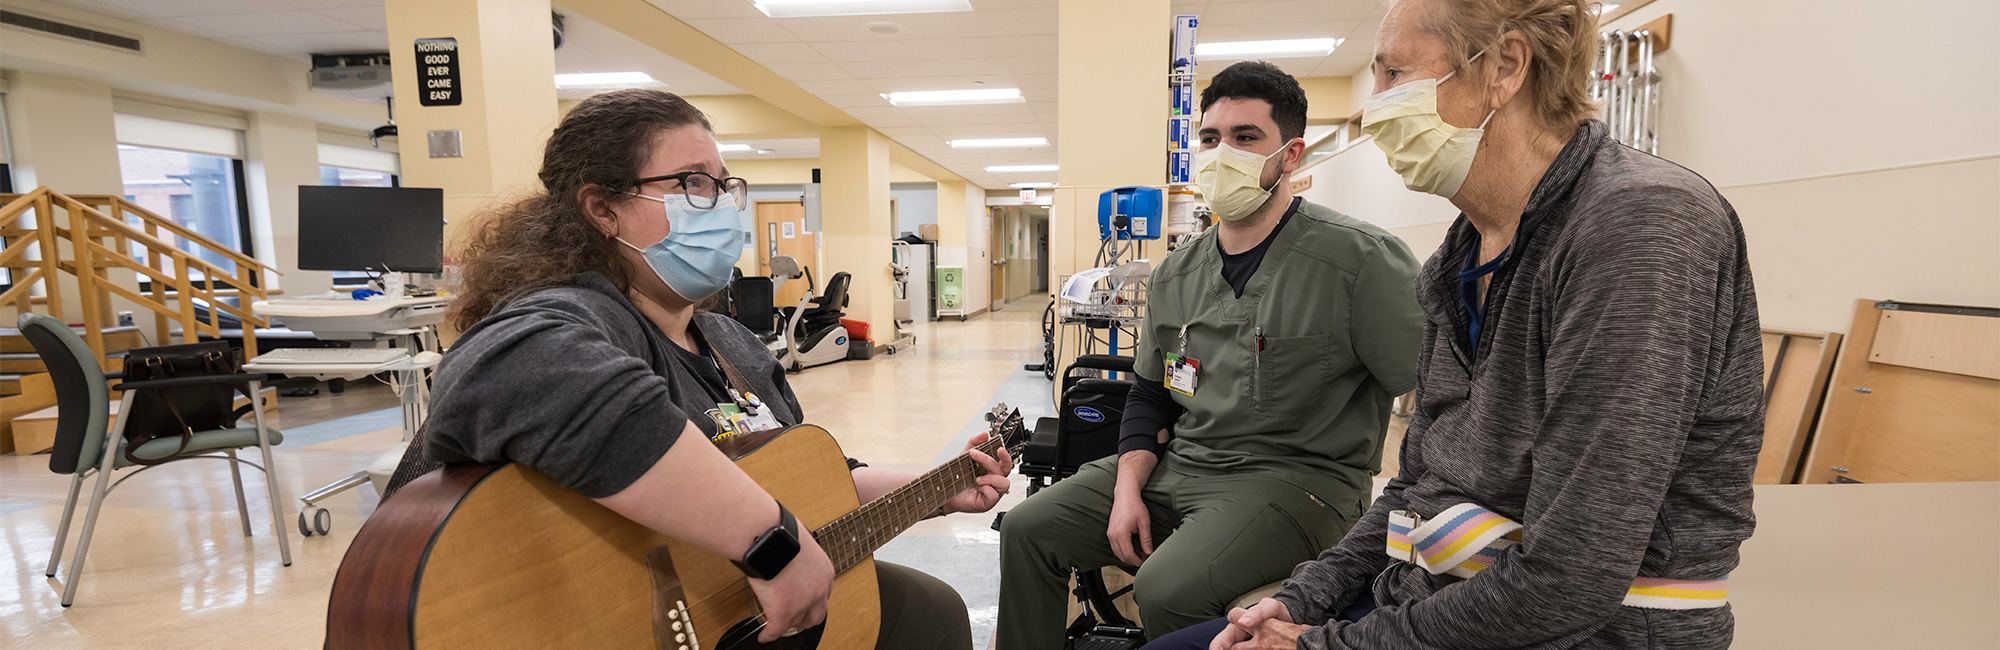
(100, 240)
(121, 205)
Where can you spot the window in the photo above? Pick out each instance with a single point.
(201, 192)
(347, 177)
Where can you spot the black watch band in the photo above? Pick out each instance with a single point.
(772, 551)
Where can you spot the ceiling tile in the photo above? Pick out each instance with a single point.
(343, 43)
(825, 29)
(703, 9)
(1248, 13)
(1017, 117)
(917, 132)
(180, 8)
(976, 69)
(956, 82)
(1018, 22)
(1275, 31)
(1031, 64)
(273, 23)
(370, 18)
(333, 4)
(168, 23)
(810, 71)
(911, 50)
(1040, 45)
(835, 87)
(1010, 4)
(133, 12)
(744, 30)
(865, 114)
(924, 113)
(780, 53)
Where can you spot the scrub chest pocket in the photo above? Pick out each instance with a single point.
(1288, 374)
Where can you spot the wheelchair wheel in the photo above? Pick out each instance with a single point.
(1101, 600)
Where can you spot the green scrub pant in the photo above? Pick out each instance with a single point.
(1215, 538)
(920, 612)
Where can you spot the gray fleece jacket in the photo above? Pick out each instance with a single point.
(1613, 405)
(571, 380)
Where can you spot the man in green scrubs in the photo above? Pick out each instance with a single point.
(1273, 346)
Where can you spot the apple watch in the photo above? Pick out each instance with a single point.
(773, 550)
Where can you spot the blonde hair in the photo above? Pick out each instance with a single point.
(1562, 41)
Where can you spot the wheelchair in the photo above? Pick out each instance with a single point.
(1085, 429)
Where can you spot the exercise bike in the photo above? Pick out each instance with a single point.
(812, 334)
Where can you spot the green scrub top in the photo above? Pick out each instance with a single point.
(1335, 303)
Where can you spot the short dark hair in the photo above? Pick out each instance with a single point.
(1262, 80)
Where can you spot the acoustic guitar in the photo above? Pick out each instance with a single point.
(500, 556)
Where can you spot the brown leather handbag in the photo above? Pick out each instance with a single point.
(179, 411)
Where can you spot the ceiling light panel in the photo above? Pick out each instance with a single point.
(728, 147)
(1297, 47)
(956, 97)
(805, 8)
(994, 143)
(1011, 169)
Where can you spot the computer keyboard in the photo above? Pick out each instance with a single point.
(356, 356)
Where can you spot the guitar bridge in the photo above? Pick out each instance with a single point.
(673, 628)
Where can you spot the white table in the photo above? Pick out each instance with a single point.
(415, 398)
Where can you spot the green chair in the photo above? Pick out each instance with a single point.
(83, 446)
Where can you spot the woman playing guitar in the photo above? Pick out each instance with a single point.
(584, 358)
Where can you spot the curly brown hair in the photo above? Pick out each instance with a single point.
(545, 237)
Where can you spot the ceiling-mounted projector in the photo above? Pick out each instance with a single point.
(360, 77)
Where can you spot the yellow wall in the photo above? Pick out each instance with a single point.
(505, 62)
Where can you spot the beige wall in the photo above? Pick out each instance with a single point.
(179, 66)
(1855, 173)
(509, 106)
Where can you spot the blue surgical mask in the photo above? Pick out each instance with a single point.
(701, 246)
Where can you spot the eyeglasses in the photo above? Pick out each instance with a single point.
(701, 189)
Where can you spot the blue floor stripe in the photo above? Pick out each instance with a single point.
(1024, 390)
(330, 430)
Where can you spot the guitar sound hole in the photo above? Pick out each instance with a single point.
(744, 637)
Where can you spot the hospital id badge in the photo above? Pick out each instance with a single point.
(1182, 374)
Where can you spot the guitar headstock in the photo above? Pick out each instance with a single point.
(1004, 424)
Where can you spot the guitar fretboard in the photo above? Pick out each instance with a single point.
(855, 536)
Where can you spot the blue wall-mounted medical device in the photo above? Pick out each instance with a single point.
(1143, 208)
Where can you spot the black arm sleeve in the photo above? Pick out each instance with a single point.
(1148, 409)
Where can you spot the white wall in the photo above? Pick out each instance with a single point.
(916, 205)
(1854, 139)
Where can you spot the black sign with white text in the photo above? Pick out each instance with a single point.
(437, 72)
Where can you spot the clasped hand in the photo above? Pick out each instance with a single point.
(1266, 625)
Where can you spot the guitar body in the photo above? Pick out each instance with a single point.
(500, 556)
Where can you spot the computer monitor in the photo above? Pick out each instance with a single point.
(371, 229)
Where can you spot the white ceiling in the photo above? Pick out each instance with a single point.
(1000, 44)
(299, 28)
(791, 148)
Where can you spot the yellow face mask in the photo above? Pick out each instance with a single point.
(1431, 155)
(1231, 180)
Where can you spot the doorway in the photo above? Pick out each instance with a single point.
(781, 230)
